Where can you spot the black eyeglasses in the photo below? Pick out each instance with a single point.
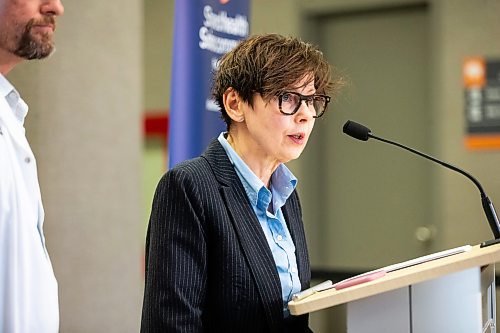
(289, 103)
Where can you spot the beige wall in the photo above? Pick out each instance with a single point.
(458, 29)
(157, 42)
(461, 28)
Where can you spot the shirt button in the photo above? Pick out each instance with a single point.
(279, 238)
(27, 160)
(294, 270)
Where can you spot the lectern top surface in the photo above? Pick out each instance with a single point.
(477, 257)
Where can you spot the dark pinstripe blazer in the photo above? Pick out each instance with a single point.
(208, 265)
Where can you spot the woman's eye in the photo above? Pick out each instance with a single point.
(286, 97)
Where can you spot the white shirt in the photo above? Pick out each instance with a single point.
(28, 288)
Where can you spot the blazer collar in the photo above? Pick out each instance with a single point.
(220, 163)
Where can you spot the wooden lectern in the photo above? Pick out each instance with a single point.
(454, 294)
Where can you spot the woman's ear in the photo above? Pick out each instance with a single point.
(233, 105)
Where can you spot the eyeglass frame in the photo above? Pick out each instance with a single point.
(302, 98)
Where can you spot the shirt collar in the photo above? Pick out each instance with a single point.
(18, 106)
(283, 182)
(5, 86)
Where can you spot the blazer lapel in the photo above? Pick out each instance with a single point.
(251, 236)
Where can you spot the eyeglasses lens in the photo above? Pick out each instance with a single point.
(290, 103)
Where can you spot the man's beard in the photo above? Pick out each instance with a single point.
(35, 47)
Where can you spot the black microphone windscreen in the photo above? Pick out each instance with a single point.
(356, 130)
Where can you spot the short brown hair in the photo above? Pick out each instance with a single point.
(269, 64)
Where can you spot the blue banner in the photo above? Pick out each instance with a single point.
(203, 31)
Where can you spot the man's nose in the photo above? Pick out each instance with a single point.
(54, 7)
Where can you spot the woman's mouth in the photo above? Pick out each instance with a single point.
(298, 138)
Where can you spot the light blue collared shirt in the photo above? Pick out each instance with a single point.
(273, 223)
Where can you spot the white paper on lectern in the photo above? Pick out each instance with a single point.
(378, 273)
(427, 258)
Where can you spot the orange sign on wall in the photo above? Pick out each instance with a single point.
(481, 78)
(474, 72)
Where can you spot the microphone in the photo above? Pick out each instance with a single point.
(363, 133)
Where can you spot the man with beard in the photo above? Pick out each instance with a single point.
(28, 288)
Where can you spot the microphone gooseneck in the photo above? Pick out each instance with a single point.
(363, 133)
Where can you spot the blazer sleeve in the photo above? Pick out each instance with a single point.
(175, 268)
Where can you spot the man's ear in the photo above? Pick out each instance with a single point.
(233, 105)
